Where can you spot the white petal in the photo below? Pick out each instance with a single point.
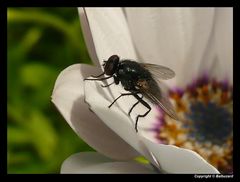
(173, 37)
(76, 162)
(88, 36)
(110, 33)
(94, 163)
(69, 100)
(224, 41)
(218, 58)
(173, 159)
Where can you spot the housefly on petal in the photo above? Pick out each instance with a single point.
(139, 79)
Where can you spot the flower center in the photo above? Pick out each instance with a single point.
(205, 126)
(211, 122)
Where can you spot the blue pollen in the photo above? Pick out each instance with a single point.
(210, 122)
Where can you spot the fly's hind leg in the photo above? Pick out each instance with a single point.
(129, 112)
(141, 115)
(124, 94)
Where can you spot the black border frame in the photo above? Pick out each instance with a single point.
(74, 3)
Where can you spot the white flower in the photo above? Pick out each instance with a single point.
(188, 40)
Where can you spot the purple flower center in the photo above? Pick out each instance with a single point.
(210, 122)
(205, 111)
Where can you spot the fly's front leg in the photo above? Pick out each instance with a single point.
(116, 81)
(107, 85)
(105, 78)
(98, 75)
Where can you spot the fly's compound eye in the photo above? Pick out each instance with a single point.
(114, 58)
(104, 63)
(111, 65)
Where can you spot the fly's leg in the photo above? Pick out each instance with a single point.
(124, 94)
(141, 115)
(129, 112)
(116, 81)
(107, 85)
(105, 78)
(98, 75)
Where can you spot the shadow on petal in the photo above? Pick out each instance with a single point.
(92, 130)
(68, 97)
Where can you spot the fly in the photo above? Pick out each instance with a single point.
(139, 78)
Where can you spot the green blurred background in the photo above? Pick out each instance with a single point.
(41, 43)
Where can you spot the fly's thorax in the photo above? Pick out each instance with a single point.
(132, 70)
(130, 73)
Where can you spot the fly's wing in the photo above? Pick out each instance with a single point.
(157, 96)
(158, 71)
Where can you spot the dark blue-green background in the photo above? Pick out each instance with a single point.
(41, 43)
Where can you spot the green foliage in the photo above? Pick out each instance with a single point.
(41, 43)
